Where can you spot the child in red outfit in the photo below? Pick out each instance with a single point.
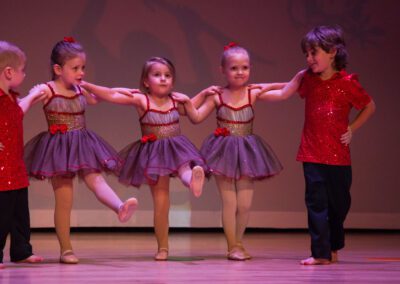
(14, 211)
(329, 94)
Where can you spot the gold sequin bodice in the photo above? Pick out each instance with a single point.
(68, 111)
(162, 124)
(239, 121)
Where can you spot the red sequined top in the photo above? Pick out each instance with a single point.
(13, 173)
(327, 108)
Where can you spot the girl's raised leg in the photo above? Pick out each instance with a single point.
(192, 178)
(106, 195)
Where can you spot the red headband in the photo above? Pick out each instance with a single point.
(69, 39)
(230, 45)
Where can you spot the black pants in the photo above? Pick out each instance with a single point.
(328, 202)
(14, 220)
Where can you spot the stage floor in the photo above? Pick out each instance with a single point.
(197, 257)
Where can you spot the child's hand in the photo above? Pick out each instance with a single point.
(39, 92)
(1, 147)
(346, 137)
(182, 98)
(212, 90)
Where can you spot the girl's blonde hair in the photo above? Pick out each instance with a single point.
(230, 50)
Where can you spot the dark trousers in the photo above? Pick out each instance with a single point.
(14, 220)
(328, 202)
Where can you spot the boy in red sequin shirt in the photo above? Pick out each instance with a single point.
(330, 94)
(14, 211)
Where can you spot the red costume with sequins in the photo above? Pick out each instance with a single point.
(328, 105)
(14, 209)
(326, 160)
(13, 173)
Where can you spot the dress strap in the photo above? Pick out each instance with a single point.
(147, 108)
(173, 101)
(221, 102)
(79, 89)
(51, 89)
(147, 102)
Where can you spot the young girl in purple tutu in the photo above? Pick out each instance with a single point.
(68, 148)
(162, 151)
(234, 155)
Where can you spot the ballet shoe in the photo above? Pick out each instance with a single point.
(197, 181)
(245, 253)
(31, 259)
(68, 257)
(2, 266)
(315, 261)
(236, 254)
(127, 209)
(334, 256)
(162, 254)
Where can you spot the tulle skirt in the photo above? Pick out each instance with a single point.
(240, 156)
(144, 163)
(68, 154)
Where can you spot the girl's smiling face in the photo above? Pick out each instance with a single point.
(237, 69)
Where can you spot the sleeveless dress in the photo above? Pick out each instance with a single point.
(161, 151)
(68, 148)
(233, 150)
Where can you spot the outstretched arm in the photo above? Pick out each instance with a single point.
(198, 99)
(114, 95)
(288, 89)
(195, 115)
(36, 94)
(360, 119)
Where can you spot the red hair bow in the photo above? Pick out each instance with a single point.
(58, 127)
(148, 138)
(230, 45)
(69, 39)
(222, 131)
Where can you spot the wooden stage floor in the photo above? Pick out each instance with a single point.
(197, 257)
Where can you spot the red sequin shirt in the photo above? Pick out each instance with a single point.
(13, 173)
(327, 107)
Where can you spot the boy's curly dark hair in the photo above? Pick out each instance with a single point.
(326, 38)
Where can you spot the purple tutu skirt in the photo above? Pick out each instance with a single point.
(240, 156)
(74, 152)
(145, 162)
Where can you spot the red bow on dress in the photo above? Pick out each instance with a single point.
(69, 39)
(148, 138)
(230, 45)
(58, 127)
(222, 131)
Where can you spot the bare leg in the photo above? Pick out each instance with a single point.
(229, 208)
(63, 192)
(192, 178)
(245, 190)
(160, 194)
(106, 195)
